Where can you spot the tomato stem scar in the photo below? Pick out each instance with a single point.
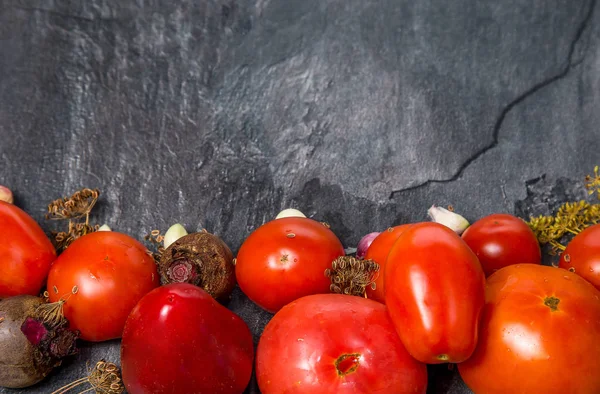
(347, 363)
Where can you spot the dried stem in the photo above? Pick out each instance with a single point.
(104, 378)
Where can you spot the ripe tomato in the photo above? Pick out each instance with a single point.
(178, 339)
(500, 239)
(286, 259)
(335, 344)
(378, 252)
(434, 290)
(25, 253)
(101, 276)
(539, 334)
(582, 255)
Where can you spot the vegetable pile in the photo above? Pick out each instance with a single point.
(442, 291)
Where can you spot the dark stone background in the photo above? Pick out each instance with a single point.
(362, 113)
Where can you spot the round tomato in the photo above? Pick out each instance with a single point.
(178, 339)
(500, 239)
(25, 253)
(539, 334)
(335, 344)
(101, 276)
(286, 259)
(378, 252)
(434, 290)
(582, 255)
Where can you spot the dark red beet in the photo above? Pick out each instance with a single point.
(32, 341)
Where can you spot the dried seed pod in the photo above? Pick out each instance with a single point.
(202, 259)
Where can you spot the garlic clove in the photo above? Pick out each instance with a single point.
(174, 232)
(104, 227)
(290, 213)
(6, 195)
(450, 219)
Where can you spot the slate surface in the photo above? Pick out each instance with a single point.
(362, 113)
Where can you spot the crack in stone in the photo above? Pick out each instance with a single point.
(519, 99)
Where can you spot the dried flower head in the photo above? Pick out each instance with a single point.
(592, 183)
(104, 378)
(351, 276)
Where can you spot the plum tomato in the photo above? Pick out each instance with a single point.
(286, 259)
(335, 344)
(434, 291)
(378, 252)
(178, 339)
(26, 253)
(582, 255)
(501, 239)
(101, 276)
(539, 334)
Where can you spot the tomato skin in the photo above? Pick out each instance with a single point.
(299, 347)
(434, 291)
(501, 239)
(26, 253)
(286, 259)
(583, 255)
(526, 347)
(112, 272)
(378, 252)
(178, 339)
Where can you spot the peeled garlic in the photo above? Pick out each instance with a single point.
(453, 221)
(104, 227)
(290, 213)
(6, 195)
(174, 232)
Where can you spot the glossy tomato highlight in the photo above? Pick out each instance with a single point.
(501, 239)
(26, 253)
(335, 344)
(101, 276)
(286, 259)
(539, 334)
(378, 252)
(178, 339)
(434, 291)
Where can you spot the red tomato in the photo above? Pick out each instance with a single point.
(335, 344)
(582, 255)
(101, 276)
(25, 253)
(178, 339)
(500, 239)
(378, 252)
(539, 334)
(286, 259)
(434, 290)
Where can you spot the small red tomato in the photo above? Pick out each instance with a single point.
(539, 334)
(25, 253)
(178, 339)
(378, 252)
(286, 259)
(335, 344)
(434, 291)
(582, 255)
(101, 276)
(500, 239)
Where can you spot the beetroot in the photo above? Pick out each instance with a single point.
(34, 338)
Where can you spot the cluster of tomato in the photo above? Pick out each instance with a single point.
(526, 328)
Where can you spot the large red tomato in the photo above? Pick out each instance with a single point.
(582, 255)
(501, 239)
(178, 339)
(101, 276)
(25, 253)
(335, 344)
(539, 334)
(286, 259)
(378, 252)
(434, 290)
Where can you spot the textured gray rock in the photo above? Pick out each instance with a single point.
(218, 114)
